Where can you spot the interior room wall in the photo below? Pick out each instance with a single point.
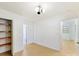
(47, 33)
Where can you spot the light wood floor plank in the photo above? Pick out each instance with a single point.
(68, 49)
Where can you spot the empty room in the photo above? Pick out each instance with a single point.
(39, 28)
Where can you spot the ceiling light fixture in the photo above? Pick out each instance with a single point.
(39, 10)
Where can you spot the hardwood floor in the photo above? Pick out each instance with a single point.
(68, 49)
(37, 50)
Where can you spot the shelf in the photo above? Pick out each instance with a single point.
(6, 34)
(5, 38)
(5, 24)
(5, 44)
(5, 31)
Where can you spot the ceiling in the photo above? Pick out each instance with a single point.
(52, 9)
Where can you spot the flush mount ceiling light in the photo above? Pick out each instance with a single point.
(39, 10)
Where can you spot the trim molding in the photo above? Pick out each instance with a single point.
(20, 53)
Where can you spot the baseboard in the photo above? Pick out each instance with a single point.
(20, 53)
(44, 46)
(47, 46)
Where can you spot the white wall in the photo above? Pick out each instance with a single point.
(47, 33)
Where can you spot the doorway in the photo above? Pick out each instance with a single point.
(5, 37)
(68, 29)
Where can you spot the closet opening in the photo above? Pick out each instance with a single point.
(5, 37)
